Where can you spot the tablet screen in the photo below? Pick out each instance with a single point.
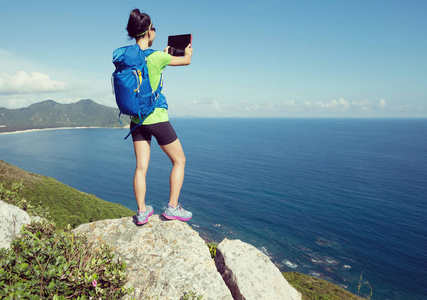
(178, 43)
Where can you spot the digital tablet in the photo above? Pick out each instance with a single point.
(178, 43)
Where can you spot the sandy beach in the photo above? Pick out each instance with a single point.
(59, 128)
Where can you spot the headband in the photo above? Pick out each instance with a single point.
(149, 27)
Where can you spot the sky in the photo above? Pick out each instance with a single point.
(306, 58)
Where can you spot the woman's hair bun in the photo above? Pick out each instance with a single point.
(138, 23)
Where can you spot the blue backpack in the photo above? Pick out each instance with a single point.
(134, 95)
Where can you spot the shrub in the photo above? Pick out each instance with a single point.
(212, 249)
(48, 264)
(12, 197)
(364, 283)
(190, 295)
(317, 289)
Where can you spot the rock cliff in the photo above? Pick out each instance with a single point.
(250, 274)
(12, 219)
(167, 259)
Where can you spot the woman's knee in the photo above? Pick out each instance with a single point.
(178, 160)
(182, 160)
(141, 168)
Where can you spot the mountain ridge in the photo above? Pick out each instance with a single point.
(51, 114)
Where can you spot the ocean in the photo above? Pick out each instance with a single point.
(331, 198)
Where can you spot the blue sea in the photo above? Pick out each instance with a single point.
(327, 197)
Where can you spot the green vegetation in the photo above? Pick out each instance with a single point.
(362, 284)
(48, 260)
(64, 204)
(45, 263)
(312, 288)
(50, 114)
(212, 249)
(12, 197)
(190, 295)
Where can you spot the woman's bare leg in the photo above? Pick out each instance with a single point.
(142, 154)
(176, 154)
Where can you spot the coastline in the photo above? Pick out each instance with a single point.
(59, 128)
(295, 246)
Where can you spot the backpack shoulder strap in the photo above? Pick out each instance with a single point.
(147, 53)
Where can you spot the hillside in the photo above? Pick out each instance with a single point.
(316, 288)
(70, 206)
(66, 204)
(50, 114)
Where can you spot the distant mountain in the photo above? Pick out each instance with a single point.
(50, 114)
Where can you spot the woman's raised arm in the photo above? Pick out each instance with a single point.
(181, 60)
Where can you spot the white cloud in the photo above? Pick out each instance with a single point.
(341, 104)
(334, 105)
(29, 83)
(210, 107)
(25, 80)
(364, 102)
(203, 107)
(290, 105)
(363, 105)
(383, 103)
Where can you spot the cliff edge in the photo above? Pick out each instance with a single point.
(167, 259)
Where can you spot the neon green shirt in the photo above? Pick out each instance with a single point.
(156, 63)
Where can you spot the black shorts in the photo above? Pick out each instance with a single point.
(163, 132)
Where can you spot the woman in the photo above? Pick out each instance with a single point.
(156, 124)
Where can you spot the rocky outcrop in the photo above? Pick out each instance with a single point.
(12, 219)
(250, 274)
(165, 258)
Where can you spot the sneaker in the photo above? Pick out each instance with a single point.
(177, 213)
(142, 217)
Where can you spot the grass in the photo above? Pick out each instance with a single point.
(312, 288)
(46, 263)
(70, 206)
(66, 205)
